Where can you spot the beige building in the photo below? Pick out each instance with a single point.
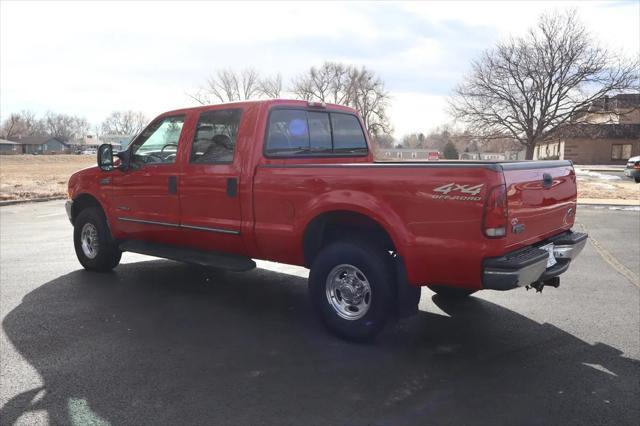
(608, 132)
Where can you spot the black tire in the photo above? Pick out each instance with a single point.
(451, 292)
(377, 269)
(637, 179)
(107, 255)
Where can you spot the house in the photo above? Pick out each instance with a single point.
(416, 154)
(493, 156)
(9, 147)
(42, 145)
(607, 132)
(119, 142)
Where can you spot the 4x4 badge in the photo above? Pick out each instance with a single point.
(464, 192)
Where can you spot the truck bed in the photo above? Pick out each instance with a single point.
(439, 235)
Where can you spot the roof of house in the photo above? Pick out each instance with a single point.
(37, 140)
(613, 103)
(601, 131)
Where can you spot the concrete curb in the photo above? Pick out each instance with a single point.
(608, 202)
(31, 200)
(601, 168)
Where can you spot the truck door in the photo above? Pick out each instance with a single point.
(145, 201)
(209, 188)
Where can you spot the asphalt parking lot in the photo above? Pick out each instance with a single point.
(158, 342)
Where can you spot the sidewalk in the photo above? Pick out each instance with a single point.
(601, 168)
(608, 202)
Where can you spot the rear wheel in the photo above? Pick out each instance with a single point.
(352, 288)
(92, 240)
(451, 292)
(637, 179)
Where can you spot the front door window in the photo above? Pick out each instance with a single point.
(158, 143)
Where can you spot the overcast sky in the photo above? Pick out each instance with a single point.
(91, 58)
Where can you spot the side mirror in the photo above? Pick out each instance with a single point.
(105, 157)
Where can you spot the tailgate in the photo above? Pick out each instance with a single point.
(541, 200)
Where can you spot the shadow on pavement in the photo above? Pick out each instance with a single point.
(163, 343)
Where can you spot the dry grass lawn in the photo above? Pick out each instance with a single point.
(612, 189)
(38, 176)
(41, 176)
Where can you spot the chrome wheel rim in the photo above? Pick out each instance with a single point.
(89, 240)
(348, 292)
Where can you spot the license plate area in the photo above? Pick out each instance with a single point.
(551, 260)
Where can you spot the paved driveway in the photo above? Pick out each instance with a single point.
(158, 342)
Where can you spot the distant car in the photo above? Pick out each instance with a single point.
(89, 152)
(633, 168)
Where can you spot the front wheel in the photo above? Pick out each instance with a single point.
(451, 292)
(92, 240)
(637, 179)
(352, 288)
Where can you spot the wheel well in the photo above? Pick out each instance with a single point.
(82, 202)
(336, 225)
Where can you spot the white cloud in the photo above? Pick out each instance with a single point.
(617, 24)
(413, 112)
(91, 58)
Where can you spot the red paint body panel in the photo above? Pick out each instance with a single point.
(438, 234)
(542, 210)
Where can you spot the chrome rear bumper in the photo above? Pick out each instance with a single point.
(529, 265)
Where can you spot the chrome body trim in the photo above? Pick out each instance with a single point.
(177, 225)
(149, 222)
(205, 228)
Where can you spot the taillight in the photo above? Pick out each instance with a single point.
(494, 223)
(636, 165)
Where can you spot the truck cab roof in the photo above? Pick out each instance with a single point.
(269, 103)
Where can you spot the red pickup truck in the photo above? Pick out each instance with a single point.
(295, 182)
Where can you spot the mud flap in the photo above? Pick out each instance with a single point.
(408, 295)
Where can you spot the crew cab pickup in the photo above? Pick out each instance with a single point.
(295, 182)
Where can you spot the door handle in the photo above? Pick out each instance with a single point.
(173, 184)
(547, 180)
(232, 187)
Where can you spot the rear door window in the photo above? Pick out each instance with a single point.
(348, 136)
(215, 138)
(319, 132)
(288, 132)
(300, 132)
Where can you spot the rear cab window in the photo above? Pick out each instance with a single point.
(298, 132)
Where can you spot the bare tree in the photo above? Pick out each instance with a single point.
(65, 127)
(12, 126)
(413, 140)
(124, 123)
(331, 82)
(529, 87)
(226, 85)
(33, 126)
(22, 124)
(383, 140)
(342, 84)
(271, 87)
